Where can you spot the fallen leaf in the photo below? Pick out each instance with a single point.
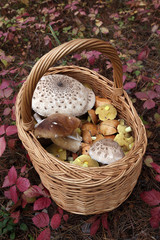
(129, 85)
(148, 160)
(152, 197)
(12, 175)
(56, 221)
(94, 227)
(41, 203)
(155, 219)
(44, 235)
(15, 216)
(156, 167)
(149, 104)
(2, 145)
(22, 184)
(41, 219)
(11, 130)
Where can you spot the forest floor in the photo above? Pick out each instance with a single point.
(28, 30)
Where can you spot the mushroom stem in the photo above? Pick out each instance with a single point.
(38, 119)
(67, 143)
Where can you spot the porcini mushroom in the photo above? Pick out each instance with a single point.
(59, 93)
(106, 151)
(56, 125)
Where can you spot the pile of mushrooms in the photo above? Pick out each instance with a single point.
(82, 127)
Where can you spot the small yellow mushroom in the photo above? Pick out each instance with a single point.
(85, 161)
(57, 151)
(106, 112)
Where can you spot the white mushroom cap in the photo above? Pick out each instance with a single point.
(90, 100)
(106, 151)
(59, 94)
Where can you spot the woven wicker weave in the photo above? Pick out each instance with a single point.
(76, 189)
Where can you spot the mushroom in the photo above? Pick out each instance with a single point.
(107, 111)
(101, 101)
(108, 127)
(56, 125)
(67, 143)
(93, 116)
(106, 151)
(85, 161)
(59, 93)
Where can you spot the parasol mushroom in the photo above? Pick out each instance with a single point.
(106, 151)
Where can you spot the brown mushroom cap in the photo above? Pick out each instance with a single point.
(106, 151)
(59, 93)
(57, 125)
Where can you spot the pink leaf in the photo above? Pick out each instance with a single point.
(129, 85)
(23, 169)
(44, 235)
(152, 94)
(91, 60)
(11, 143)
(16, 216)
(60, 210)
(94, 227)
(144, 53)
(56, 221)
(141, 95)
(14, 195)
(152, 197)
(149, 104)
(65, 217)
(12, 175)
(22, 184)
(41, 203)
(156, 167)
(4, 84)
(155, 219)
(2, 145)
(41, 219)
(6, 111)
(157, 177)
(7, 194)
(47, 40)
(105, 221)
(24, 203)
(2, 129)
(33, 191)
(11, 130)
(8, 92)
(6, 182)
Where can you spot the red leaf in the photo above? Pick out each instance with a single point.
(56, 221)
(41, 203)
(149, 104)
(13, 192)
(60, 210)
(7, 194)
(94, 227)
(152, 94)
(11, 143)
(8, 92)
(144, 53)
(91, 60)
(16, 216)
(6, 111)
(2, 145)
(23, 169)
(129, 85)
(65, 217)
(11, 130)
(6, 182)
(22, 184)
(24, 203)
(47, 40)
(156, 167)
(141, 95)
(41, 219)
(12, 175)
(152, 197)
(33, 191)
(157, 177)
(44, 235)
(2, 129)
(105, 221)
(155, 219)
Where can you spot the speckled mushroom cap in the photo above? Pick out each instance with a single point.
(90, 100)
(59, 94)
(106, 151)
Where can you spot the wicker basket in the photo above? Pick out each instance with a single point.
(76, 189)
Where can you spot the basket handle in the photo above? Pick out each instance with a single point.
(46, 61)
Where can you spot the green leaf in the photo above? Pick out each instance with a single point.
(137, 72)
(12, 236)
(5, 221)
(23, 227)
(5, 230)
(10, 227)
